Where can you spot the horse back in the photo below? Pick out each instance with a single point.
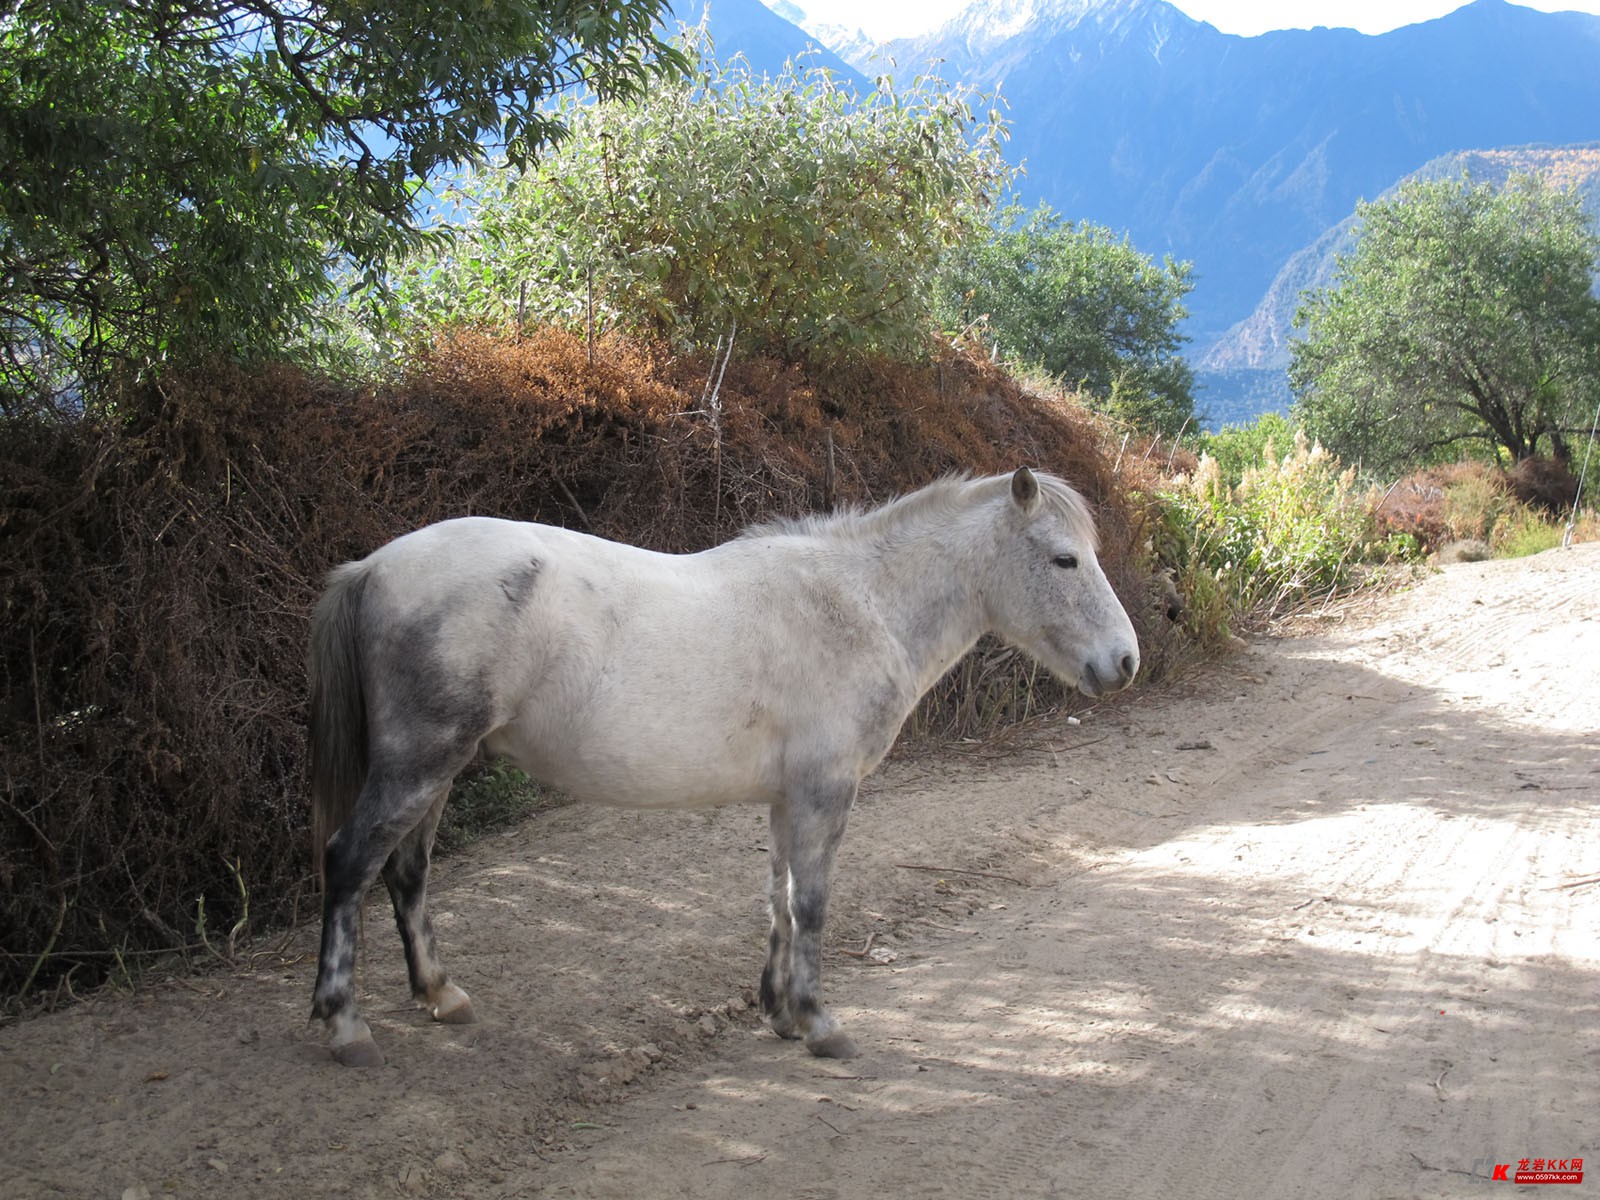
(628, 676)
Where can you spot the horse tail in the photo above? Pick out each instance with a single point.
(338, 718)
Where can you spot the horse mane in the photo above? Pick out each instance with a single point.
(938, 503)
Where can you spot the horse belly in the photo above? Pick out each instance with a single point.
(621, 764)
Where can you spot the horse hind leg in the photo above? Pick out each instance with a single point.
(348, 867)
(391, 807)
(405, 874)
(333, 1001)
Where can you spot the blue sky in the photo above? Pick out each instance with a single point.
(885, 19)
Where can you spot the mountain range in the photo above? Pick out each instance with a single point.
(1237, 154)
(1261, 340)
(767, 36)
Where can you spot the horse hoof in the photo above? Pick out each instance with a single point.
(458, 1014)
(837, 1044)
(363, 1053)
(453, 1007)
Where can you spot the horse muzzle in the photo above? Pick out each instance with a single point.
(1110, 676)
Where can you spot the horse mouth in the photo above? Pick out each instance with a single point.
(1093, 685)
(1089, 682)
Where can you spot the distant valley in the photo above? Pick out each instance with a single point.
(1245, 156)
(1261, 339)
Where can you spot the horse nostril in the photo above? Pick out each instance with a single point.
(1129, 665)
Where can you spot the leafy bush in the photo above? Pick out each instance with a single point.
(1083, 304)
(1290, 530)
(810, 218)
(1239, 448)
(485, 797)
(1522, 532)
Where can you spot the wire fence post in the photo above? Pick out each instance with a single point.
(1572, 518)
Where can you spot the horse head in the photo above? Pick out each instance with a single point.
(1049, 595)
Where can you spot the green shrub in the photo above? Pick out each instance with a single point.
(1403, 547)
(1085, 306)
(1290, 530)
(485, 797)
(1239, 448)
(1521, 532)
(809, 217)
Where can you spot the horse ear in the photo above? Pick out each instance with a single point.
(1024, 489)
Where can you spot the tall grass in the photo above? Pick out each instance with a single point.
(1289, 530)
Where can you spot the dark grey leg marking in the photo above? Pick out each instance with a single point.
(775, 975)
(818, 818)
(406, 876)
(392, 809)
(347, 876)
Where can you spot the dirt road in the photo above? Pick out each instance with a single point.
(1323, 921)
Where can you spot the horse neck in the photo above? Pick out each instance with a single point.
(931, 593)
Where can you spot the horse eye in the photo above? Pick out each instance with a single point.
(1066, 561)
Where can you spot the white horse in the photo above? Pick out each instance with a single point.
(774, 669)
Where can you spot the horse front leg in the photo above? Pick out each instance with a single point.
(775, 976)
(818, 815)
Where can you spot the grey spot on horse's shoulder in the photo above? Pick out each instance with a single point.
(519, 582)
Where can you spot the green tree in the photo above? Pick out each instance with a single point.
(1084, 305)
(177, 180)
(1464, 314)
(1240, 448)
(808, 216)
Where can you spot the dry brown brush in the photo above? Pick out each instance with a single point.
(1474, 501)
(157, 567)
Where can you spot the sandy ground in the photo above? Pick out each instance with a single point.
(1321, 921)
